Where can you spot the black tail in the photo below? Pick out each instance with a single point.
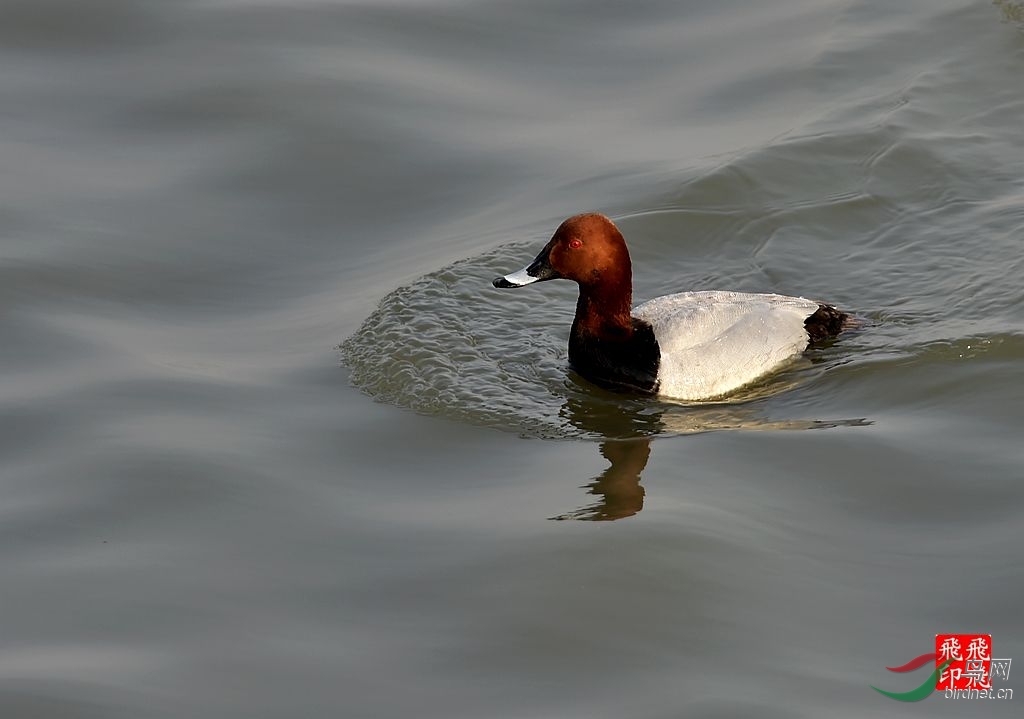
(826, 322)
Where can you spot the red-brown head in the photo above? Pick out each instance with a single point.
(587, 249)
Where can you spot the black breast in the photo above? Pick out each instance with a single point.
(617, 360)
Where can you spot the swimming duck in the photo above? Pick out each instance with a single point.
(689, 346)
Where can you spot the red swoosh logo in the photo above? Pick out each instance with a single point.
(914, 663)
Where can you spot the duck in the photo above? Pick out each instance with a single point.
(690, 346)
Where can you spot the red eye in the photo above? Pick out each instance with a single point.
(575, 243)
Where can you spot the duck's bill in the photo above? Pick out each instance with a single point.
(537, 271)
(516, 279)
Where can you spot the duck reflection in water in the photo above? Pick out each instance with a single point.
(621, 494)
(628, 425)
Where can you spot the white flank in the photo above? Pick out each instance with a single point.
(715, 342)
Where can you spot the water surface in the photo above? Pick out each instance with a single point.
(208, 510)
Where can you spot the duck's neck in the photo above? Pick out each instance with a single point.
(601, 312)
(609, 346)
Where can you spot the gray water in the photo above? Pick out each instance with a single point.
(272, 445)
